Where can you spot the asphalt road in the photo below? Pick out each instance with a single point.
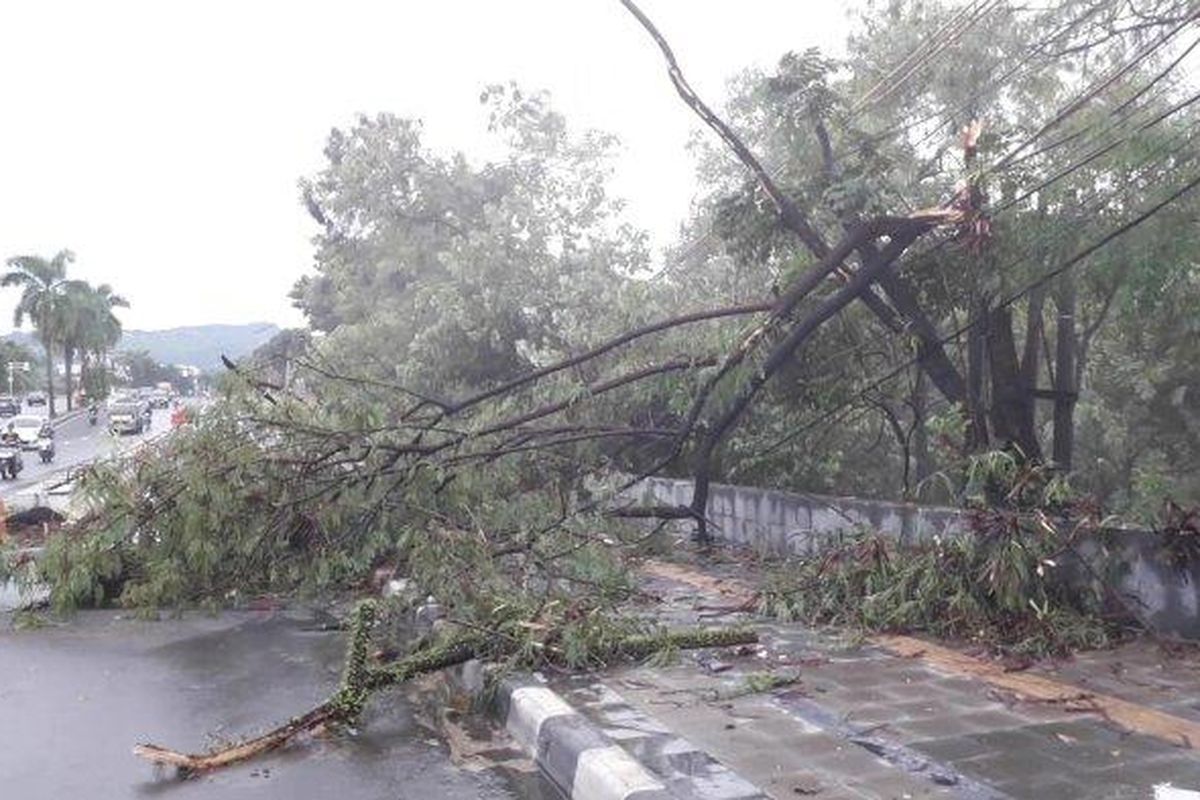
(75, 442)
(76, 696)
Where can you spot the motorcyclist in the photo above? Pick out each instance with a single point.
(10, 437)
(46, 443)
(11, 464)
(93, 412)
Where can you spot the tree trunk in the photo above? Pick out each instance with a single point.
(49, 345)
(1031, 359)
(1066, 390)
(931, 354)
(68, 362)
(920, 438)
(1011, 422)
(977, 436)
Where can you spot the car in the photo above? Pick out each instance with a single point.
(9, 407)
(160, 399)
(35, 399)
(30, 430)
(126, 417)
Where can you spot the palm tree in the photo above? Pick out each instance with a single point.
(43, 300)
(99, 329)
(72, 324)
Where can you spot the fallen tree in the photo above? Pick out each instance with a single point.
(360, 678)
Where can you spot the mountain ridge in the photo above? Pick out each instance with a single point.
(195, 345)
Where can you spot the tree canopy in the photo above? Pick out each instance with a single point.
(973, 235)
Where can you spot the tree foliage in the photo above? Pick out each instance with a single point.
(903, 267)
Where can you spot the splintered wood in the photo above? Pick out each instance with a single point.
(192, 763)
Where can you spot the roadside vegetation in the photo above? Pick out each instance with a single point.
(967, 251)
(72, 319)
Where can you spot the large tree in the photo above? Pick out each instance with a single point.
(96, 332)
(451, 276)
(44, 300)
(1083, 120)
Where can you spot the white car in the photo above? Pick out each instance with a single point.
(29, 430)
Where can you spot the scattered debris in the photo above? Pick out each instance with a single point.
(361, 678)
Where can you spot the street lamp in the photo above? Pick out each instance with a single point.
(21, 365)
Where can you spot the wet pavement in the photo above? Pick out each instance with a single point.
(76, 696)
(814, 713)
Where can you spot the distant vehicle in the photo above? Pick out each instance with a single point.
(30, 430)
(45, 445)
(9, 407)
(35, 399)
(10, 461)
(126, 417)
(160, 399)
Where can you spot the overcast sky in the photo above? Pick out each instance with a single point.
(162, 141)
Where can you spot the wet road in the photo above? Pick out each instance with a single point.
(75, 442)
(75, 697)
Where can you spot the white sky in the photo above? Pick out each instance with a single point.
(162, 141)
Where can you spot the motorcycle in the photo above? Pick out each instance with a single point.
(10, 461)
(45, 447)
(93, 415)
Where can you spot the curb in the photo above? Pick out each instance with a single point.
(577, 757)
(66, 417)
(613, 752)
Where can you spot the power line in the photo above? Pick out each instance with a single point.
(1007, 301)
(884, 336)
(1082, 100)
(940, 39)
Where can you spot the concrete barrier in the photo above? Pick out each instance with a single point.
(795, 522)
(581, 761)
(1165, 596)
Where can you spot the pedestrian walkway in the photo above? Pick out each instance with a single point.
(850, 719)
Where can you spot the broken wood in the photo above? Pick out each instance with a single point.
(361, 678)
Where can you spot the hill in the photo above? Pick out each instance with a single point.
(199, 345)
(196, 345)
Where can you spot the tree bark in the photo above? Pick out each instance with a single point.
(1031, 359)
(1066, 390)
(49, 345)
(931, 354)
(920, 438)
(784, 350)
(1011, 422)
(978, 436)
(68, 362)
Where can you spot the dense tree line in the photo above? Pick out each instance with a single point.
(72, 319)
(453, 278)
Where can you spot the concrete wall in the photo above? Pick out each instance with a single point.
(783, 523)
(792, 523)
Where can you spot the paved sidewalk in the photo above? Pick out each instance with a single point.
(858, 721)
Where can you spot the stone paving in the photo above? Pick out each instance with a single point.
(857, 721)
